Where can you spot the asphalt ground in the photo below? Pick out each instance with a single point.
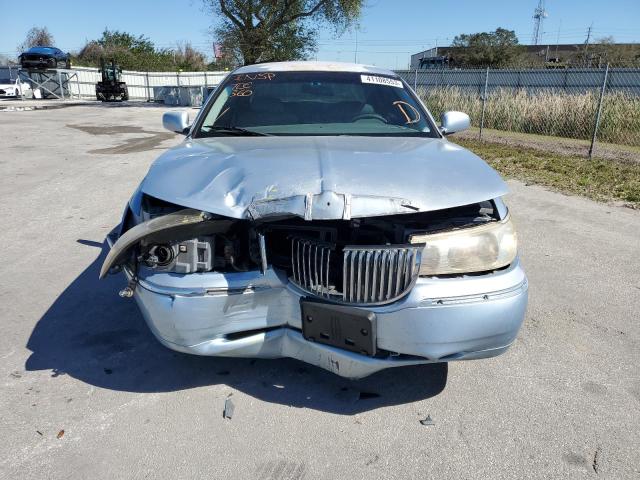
(87, 392)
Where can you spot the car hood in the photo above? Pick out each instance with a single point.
(7, 85)
(325, 177)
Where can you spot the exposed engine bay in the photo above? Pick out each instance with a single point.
(365, 261)
(228, 245)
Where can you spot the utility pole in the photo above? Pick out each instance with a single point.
(355, 56)
(558, 39)
(586, 44)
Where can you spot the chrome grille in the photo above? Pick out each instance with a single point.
(371, 275)
(310, 263)
(374, 275)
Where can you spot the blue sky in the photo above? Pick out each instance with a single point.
(390, 30)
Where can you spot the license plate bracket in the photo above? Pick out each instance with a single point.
(340, 326)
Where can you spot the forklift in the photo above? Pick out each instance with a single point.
(111, 88)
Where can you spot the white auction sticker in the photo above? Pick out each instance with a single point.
(391, 82)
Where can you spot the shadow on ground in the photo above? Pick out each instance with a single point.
(95, 336)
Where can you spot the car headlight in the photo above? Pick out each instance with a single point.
(474, 249)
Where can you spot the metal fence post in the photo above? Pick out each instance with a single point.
(146, 80)
(484, 102)
(415, 81)
(178, 79)
(60, 83)
(599, 111)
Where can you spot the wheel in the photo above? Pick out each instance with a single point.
(17, 93)
(55, 64)
(125, 94)
(67, 64)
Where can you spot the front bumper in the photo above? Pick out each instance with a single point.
(248, 314)
(41, 64)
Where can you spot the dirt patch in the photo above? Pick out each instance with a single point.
(129, 145)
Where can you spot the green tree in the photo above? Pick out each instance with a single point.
(139, 53)
(499, 48)
(252, 31)
(188, 58)
(129, 51)
(37, 37)
(606, 50)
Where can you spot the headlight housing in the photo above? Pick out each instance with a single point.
(473, 249)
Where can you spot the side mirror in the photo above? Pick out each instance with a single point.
(177, 122)
(452, 122)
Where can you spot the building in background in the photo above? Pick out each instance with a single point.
(547, 55)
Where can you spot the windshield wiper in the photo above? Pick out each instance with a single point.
(234, 131)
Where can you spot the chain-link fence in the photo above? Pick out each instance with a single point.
(533, 105)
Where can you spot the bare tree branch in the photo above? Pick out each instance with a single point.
(225, 10)
(296, 16)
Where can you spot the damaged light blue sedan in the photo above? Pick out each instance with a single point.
(316, 211)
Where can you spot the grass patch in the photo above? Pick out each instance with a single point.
(597, 179)
(548, 113)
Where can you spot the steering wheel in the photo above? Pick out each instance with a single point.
(373, 116)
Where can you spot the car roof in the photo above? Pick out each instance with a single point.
(314, 67)
(40, 49)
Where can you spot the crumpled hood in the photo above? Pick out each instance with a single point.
(320, 177)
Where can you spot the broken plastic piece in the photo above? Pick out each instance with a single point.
(263, 254)
(228, 409)
(427, 421)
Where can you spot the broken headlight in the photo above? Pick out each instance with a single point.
(474, 249)
(186, 256)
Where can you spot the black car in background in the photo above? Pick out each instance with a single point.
(43, 58)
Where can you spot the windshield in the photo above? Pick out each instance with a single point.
(6, 80)
(314, 103)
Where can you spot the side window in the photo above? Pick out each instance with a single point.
(219, 108)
